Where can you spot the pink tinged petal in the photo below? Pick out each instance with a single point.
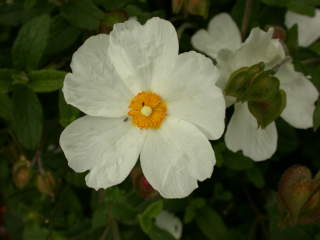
(175, 156)
(301, 97)
(244, 135)
(223, 33)
(191, 94)
(308, 27)
(93, 86)
(108, 147)
(142, 54)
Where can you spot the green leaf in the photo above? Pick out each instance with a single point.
(292, 39)
(6, 107)
(315, 47)
(316, 118)
(255, 176)
(306, 7)
(35, 232)
(156, 233)
(6, 79)
(211, 224)
(62, 36)
(31, 42)
(236, 161)
(27, 117)
(46, 80)
(146, 218)
(82, 14)
(67, 113)
(192, 208)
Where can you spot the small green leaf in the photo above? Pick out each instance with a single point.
(46, 80)
(292, 39)
(6, 79)
(82, 14)
(146, 218)
(316, 118)
(27, 117)
(31, 42)
(211, 224)
(255, 176)
(236, 161)
(62, 36)
(67, 113)
(192, 208)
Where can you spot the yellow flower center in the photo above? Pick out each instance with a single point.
(148, 110)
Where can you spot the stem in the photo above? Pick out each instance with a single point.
(246, 18)
(183, 27)
(311, 61)
(37, 159)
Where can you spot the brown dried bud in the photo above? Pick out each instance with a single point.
(21, 172)
(46, 183)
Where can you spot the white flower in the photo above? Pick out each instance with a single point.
(242, 131)
(170, 223)
(142, 98)
(308, 27)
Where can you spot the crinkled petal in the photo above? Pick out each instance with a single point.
(191, 94)
(142, 54)
(108, 147)
(308, 27)
(223, 33)
(93, 86)
(175, 156)
(244, 135)
(301, 97)
(259, 47)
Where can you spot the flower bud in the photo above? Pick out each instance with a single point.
(268, 111)
(263, 87)
(299, 196)
(240, 81)
(141, 184)
(198, 7)
(46, 183)
(279, 33)
(177, 5)
(21, 172)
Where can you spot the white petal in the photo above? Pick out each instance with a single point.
(175, 156)
(191, 94)
(93, 86)
(169, 223)
(223, 33)
(259, 47)
(243, 134)
(301, 97)
(109, 147)
(142, 54)
(308, 27)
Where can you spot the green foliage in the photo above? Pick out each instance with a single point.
(31, 43)
(46, 200)
(27, 117)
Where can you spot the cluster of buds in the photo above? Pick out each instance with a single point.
(261, 89)
(299, 196)
(141, 184)
(193, 7)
